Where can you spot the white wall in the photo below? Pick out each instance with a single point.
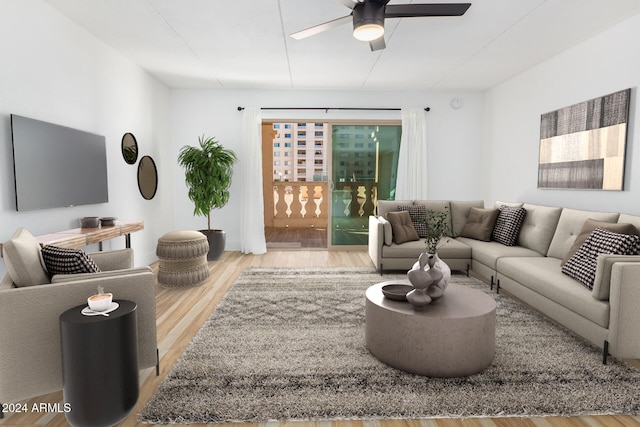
(455, 137)
(607, 63)
(53, 70)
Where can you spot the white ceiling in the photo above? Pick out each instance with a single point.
(241, 44)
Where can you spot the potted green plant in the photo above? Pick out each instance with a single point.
(208, 172)
(437, 228)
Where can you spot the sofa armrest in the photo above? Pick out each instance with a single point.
(30, 355)
(119, 259)
(65, 278)
(624, 340)
(601, 287)
(376, 240)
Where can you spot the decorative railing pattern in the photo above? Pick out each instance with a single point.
(306, 204)
(300, 204)
(359, 198)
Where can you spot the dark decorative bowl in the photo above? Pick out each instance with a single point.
(89, 222)
(396, 292)
(108, 221)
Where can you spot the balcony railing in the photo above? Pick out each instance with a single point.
(300, 204)
(306, 204)
(359, 198)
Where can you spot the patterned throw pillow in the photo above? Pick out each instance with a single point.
(67, 261)
(418, 214)
(508, 224)
(582, 265)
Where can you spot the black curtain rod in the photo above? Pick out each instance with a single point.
(331, 108)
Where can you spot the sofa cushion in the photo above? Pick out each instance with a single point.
(23, 259)
(418, 216)
(498, 203)
(543, 275)
(582, 265)
(488, 253)
(538, 227)
(569, 226)
(387, 230)
(403, 230)
(460, 212)
(385, 206)
(590, 225)
(508, 224)
(448, 249)
(480, 223)
(67, 261)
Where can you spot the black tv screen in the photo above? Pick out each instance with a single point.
(56, 166)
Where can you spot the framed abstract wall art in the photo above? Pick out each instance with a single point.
(583, 146)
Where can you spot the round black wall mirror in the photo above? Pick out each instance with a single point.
(147, 177)
(129, 148)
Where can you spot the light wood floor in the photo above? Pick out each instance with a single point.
(295, 237)
(180, 314)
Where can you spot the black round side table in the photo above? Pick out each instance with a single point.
(100, 364)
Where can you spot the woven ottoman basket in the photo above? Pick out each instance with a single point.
(183, 259)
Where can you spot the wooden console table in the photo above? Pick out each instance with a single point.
(79, 237)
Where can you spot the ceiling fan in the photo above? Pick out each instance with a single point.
(368, 18)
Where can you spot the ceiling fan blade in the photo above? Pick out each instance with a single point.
(320, 28)
(426, 9)
(349, 3)
(377, 44)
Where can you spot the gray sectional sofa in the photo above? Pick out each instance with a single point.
(608, 315)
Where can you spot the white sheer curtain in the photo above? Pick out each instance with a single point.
(411, 182)
(252, 212)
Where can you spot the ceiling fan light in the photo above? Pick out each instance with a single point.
(368, 32)
(368, 20)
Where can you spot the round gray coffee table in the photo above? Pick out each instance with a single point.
(452, 337)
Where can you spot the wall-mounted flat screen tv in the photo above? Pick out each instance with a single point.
(56, 166)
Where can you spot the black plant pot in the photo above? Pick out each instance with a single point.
(217, 240)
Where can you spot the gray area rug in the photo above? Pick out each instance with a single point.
(288, 344)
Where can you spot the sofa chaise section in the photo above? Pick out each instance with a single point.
(598, 315)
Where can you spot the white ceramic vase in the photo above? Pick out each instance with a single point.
(429, 276)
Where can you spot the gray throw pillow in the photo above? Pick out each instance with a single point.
(403, 230)
(23, 259)
(387, 230)
(480, 223)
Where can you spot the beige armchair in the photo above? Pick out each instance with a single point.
(31, 303)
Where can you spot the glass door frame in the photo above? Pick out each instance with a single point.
(346, 122)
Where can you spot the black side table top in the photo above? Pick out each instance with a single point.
(74, 315)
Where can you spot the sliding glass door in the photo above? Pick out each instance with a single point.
(363, 169)
(322, 181)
